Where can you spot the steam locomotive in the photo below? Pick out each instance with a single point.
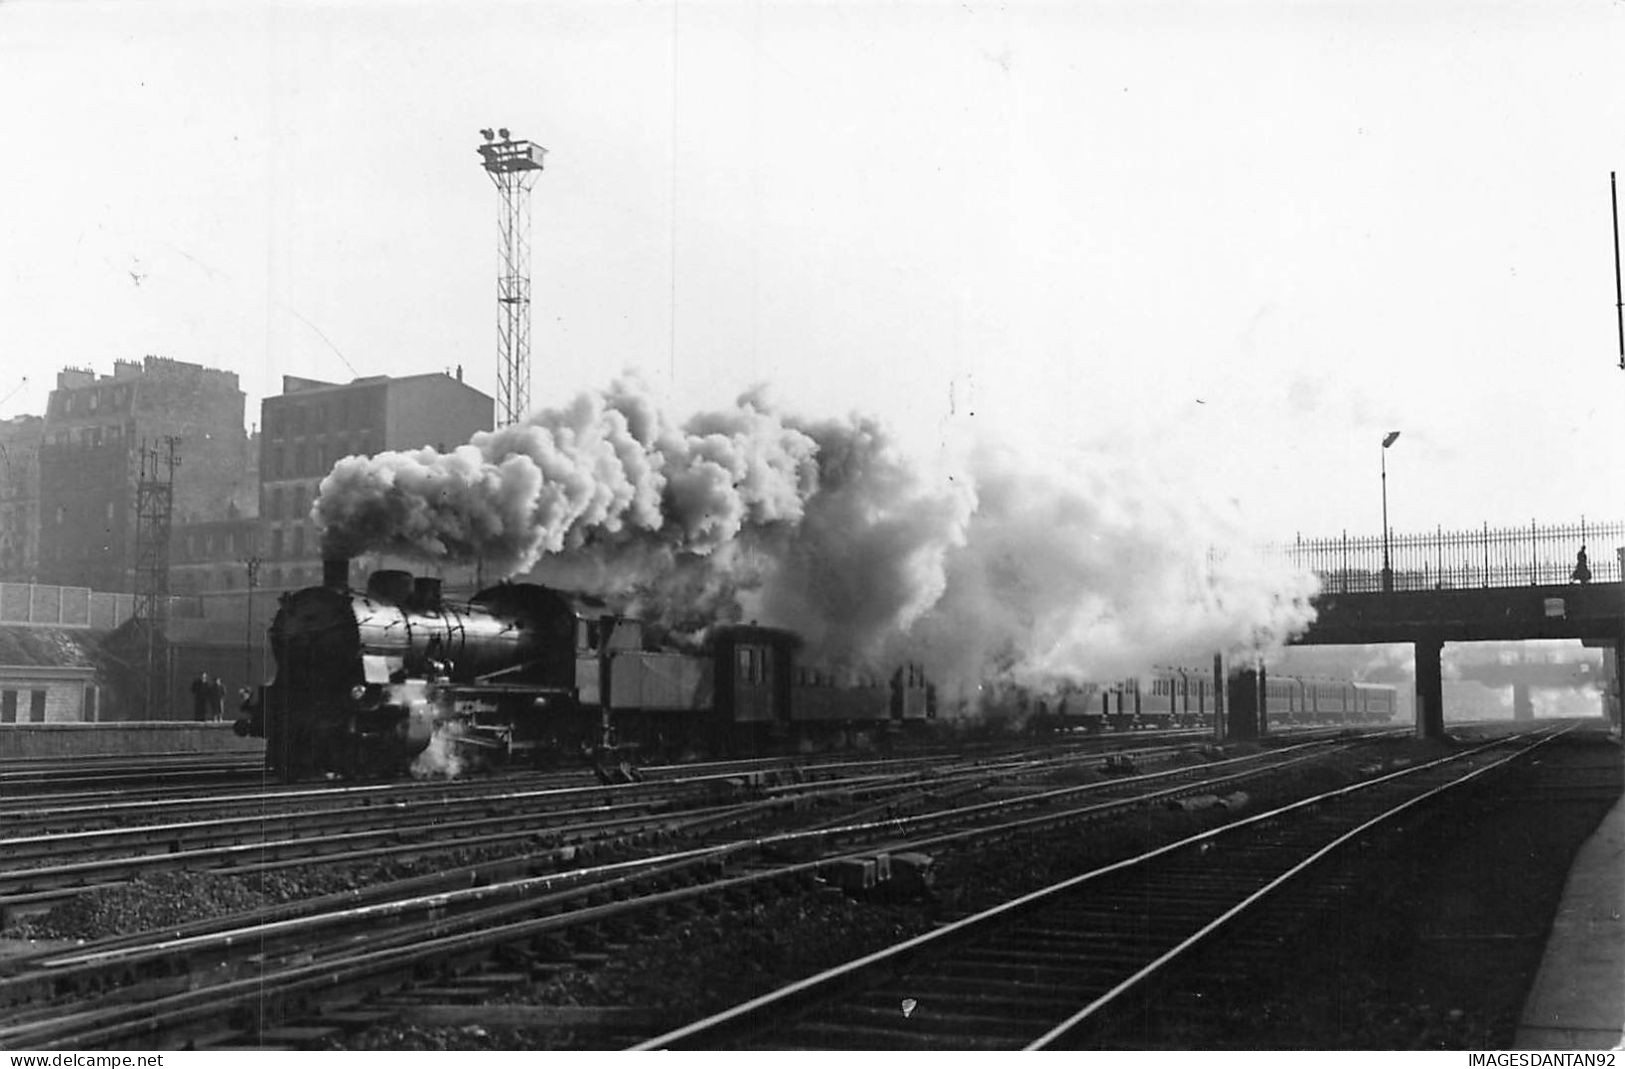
(367, 683)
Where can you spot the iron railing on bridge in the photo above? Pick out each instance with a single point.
(1537, 555)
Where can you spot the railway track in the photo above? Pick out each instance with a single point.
(56, 777)
(1052, 967)
(177, 774)
(322, 956)
(114, 842)
(60, 844)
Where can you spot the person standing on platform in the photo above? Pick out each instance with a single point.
(217, 699)
(201, 693)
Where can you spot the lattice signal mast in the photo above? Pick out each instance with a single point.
(154, 505)
(513, 167)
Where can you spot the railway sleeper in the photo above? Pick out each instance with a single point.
(1095, 973)
(905, 1034)
(934, 989)
(1015, 1016)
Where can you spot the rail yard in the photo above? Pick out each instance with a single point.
(1081, 891)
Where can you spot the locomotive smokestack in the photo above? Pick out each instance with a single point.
(335, 573)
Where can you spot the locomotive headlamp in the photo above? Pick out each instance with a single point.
(358, 692)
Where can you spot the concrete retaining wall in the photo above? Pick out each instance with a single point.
(132, 737)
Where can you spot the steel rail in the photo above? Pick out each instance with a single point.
(495, 926)
(786, 1002)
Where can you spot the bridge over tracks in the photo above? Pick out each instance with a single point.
(1510, 583)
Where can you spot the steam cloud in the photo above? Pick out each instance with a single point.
(1001, 569)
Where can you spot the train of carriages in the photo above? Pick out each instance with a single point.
(1184, 698)
(368, 681)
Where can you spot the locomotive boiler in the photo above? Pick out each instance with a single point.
(368, 681)
(365, 680)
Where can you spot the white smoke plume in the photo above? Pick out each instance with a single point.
(1000, 568)
(440, 759)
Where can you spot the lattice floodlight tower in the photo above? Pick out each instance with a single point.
(513, 167)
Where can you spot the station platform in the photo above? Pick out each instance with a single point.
(117, 738)
(1577, 1001)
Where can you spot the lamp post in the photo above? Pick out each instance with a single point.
(1387, 565)
(253, 566)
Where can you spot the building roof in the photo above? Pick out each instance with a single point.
(48, 647)
(296, 388)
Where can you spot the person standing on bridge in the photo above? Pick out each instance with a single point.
(1582, 570)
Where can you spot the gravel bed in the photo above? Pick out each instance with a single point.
(1435, 945)
(708, 962)
(701, 966)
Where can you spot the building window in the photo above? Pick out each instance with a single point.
(36, 707)
(298, 542)
(8, 707)
(276, 542)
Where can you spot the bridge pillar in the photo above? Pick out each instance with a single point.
(1613, 693)
(1219, 710)
(1263, 701)
(1242, 692)
(1429, 689)
(1522, 707)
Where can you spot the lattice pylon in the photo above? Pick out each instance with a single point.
(513, 167)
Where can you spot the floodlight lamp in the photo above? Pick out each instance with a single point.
(488, 134)
(1388, 441)
(504, 133)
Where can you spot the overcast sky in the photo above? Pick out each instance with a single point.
(1254, 237)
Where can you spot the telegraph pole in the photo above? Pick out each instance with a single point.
(1619, 291)
(252, 563)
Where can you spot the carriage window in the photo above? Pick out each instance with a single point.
(752, 666)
